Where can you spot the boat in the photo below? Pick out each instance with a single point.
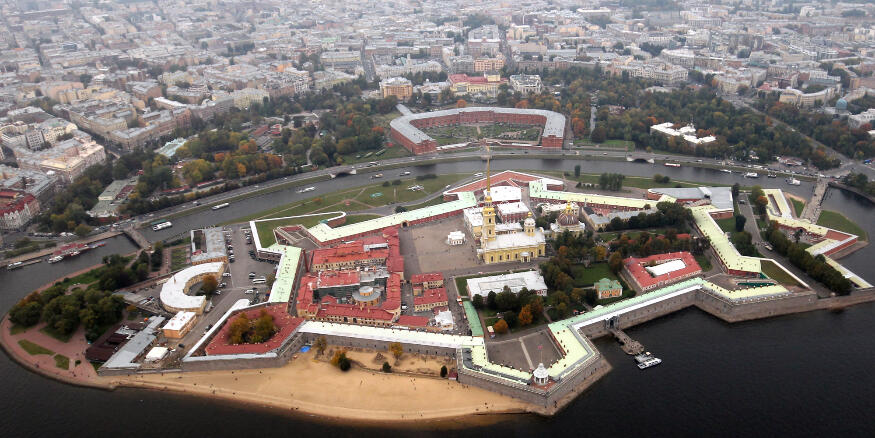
(751, 175)
(97, 245)
(647, 360)
(793, 181)
(726, 170)
(14, 265)
(55, 259)
(771, 175)
(672, 165)
(162, 225)
(222, 205)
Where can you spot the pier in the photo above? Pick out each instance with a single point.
(629, 345)
(38, 256)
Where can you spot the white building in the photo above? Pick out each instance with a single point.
(531, 280)
(526, 84)
(688, 133)
(455, 238)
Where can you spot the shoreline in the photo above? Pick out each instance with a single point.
(258, 391)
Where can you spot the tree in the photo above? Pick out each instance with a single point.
(500, 327)
(443, 371)
(577, 171)
(599, 134)
(386, 367)
(396, 349)
(477, 301)
(735, 189)
(525, 316)
(82, 230)
(740, 220)
(320, 344)
(461, 103)
(616, 262)
(209, 285)
(237, 330)
(400, 209)
(490, 300)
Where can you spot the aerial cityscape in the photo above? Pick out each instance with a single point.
(478, 218)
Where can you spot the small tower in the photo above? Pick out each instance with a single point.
(529, 225)
(540, 375)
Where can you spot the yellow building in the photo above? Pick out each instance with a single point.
(399, 87)
(511, 247)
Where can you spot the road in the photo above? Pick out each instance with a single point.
(751, 227)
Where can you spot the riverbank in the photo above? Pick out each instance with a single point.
(309, 386)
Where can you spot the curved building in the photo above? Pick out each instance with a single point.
(407, 130)
(173, 292)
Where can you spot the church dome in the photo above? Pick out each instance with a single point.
(568, 217)
(842, 104)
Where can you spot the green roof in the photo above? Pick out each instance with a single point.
(537, 190)
(720, 243)
(607, 283)
(473, 319)
(324, 233)
(286, 274)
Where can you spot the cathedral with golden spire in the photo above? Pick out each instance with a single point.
(511, 247)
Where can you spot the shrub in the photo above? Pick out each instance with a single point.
(444, 371)
(386, 367)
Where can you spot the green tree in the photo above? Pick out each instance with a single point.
(443, 371)
(615, 262)
(577, 171)
(477, 301)
(82, 230)
(599, 134)
(740, 220)
(386, 367)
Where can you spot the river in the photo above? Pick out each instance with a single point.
(799, 375)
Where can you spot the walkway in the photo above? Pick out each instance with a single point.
(74, 350)
(813, 208)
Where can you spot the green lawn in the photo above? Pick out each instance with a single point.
(839, 222)
(727, 225)
(776, 273)
(178, 258)
(265, 227)
(584, 277)
(356, 218)
(358, 198)
(396, 151)
(625, 145)
(798, 205)
(51, 332)
(62, 362)
(33, 349)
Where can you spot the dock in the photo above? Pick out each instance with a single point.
(38, 256)
(629, 345)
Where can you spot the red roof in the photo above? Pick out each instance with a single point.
(286, 325)
(337, 278)
(413, 321)
(430, 296)
(635, 267)
(353, 311)
(430, 276)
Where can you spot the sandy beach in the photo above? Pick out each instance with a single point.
(311, 386)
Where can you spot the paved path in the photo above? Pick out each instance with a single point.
(526, 353)
(74, 350)
(812, 209)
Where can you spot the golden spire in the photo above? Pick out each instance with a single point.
(488, 157)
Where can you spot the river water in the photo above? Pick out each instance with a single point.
(797, 375)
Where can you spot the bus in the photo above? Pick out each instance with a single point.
(222, 205)
(162, 225)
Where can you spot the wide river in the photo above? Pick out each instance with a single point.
(798, 375)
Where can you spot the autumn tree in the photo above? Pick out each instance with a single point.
(525, 316)
(320, 344)
(209, 285)
(238, 329)
(500, 327)
(461, 103)
(616, 262)
(396, 349)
